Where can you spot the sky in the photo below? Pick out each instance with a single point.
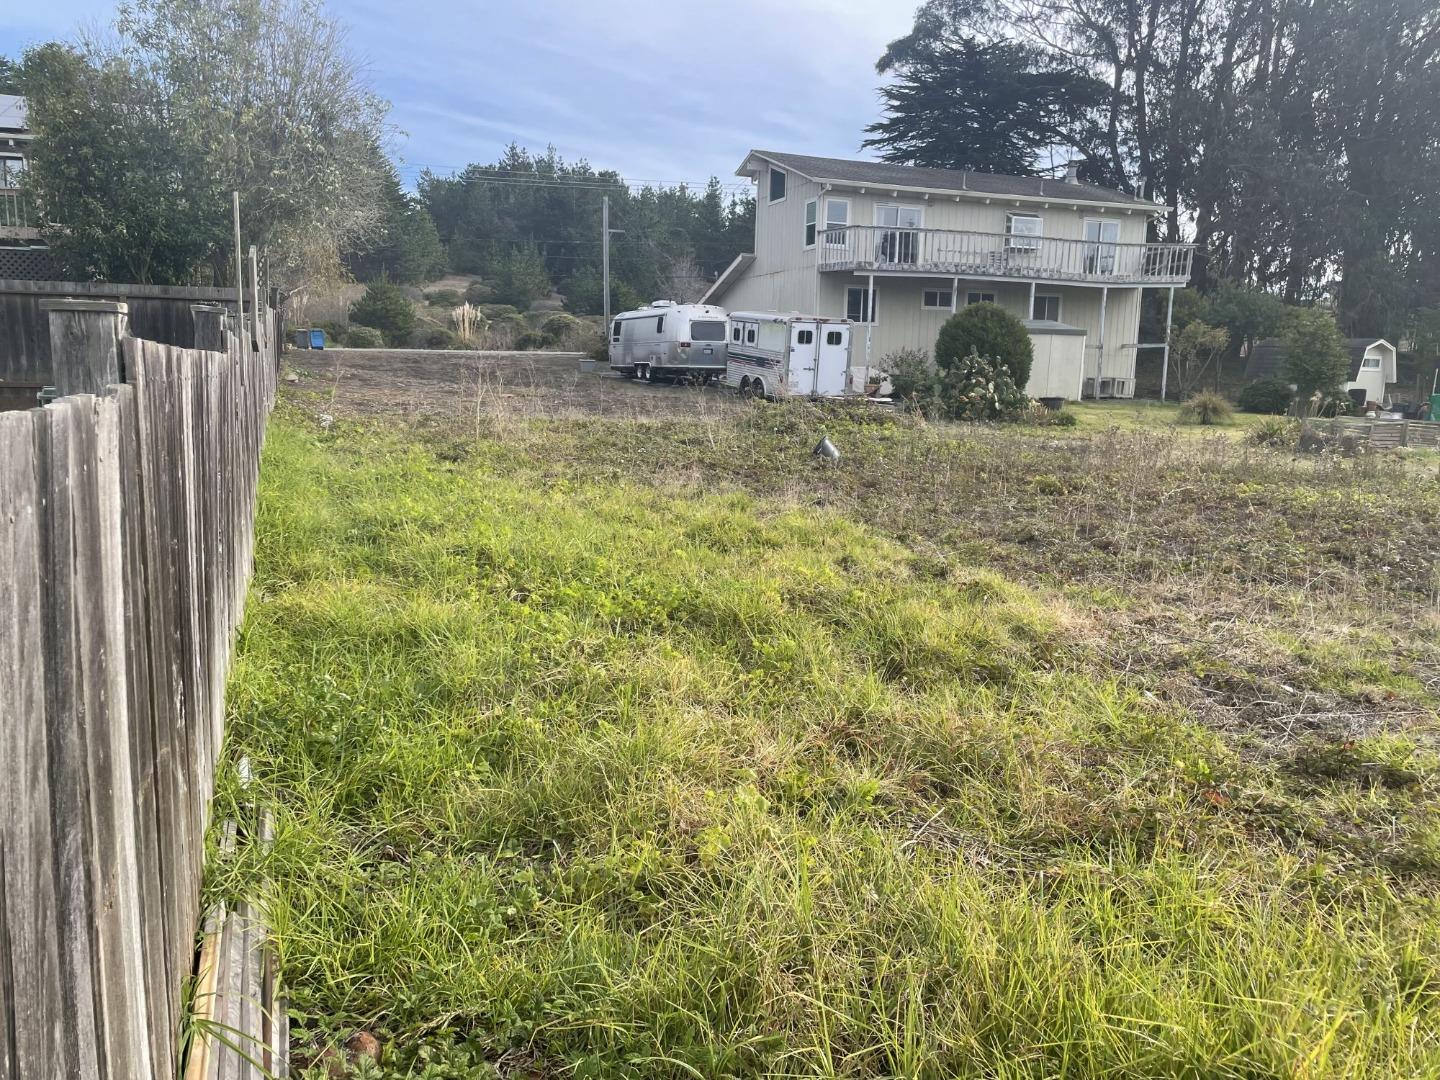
(659, 90)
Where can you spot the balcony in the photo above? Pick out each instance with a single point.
(952, 253)
(17, 220)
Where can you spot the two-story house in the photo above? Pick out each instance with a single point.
(899, 249)
(23, 253)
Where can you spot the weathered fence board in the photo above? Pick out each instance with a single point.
(126, 520)
(1378, 432)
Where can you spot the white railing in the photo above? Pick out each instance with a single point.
(17, 219)
(978, 254)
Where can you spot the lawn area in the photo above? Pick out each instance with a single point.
(619, 748)
(1144, 415)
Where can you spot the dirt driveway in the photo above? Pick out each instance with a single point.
(431, 383)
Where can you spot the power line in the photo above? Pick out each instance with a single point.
(523, 178)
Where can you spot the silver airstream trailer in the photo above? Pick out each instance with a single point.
(776, 354)
(666, 340)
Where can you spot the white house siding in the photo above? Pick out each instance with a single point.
(904, 323)
(1058, 219)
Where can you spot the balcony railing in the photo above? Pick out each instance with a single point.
(18, 220)
(1000, 255)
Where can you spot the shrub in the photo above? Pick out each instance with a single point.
(479, 292)
(1276, 431)
(530, 341)
(1268, 395)
(334, 331)
(520, 277)
(446, 298)
(441, 338)
(496, 311)
(980, 388)
(912, 376)
(1316, 359)
(986, 330)
(385, 307)
(560, 330)
(1040, 416)
(364, 337)
(1206, 408)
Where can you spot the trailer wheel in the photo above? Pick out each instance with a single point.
(745, 386)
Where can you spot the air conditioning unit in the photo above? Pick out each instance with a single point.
(1105, 387)
(1089, 389)
(1124, 388)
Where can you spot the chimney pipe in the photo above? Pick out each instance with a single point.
(1072, 172)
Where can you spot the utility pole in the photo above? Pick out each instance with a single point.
(605, 258)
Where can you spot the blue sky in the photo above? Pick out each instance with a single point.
(660, 91)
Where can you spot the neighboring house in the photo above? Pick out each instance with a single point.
(23, 253)
(1372, 366)
(898, 249)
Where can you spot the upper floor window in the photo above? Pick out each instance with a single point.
(1024, 231)
(11, 170)
(1370, 363)
(810, 223)
(777, 185)
(1047, 308)
(837, 216)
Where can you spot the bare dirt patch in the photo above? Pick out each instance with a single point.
(421, 383)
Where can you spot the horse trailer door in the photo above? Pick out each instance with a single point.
(833, 360)
(802, 369)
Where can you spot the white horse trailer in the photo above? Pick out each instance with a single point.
(669, 340)
(785, 354)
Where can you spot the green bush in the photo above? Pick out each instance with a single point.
(912, 377)
(1268, 395)
(980, 388)
(530, 341)
(986, 330)
(441, 338)
(364, 337)
(479, 293)
(334, 331)
(446, 298)
(1279, 432)
(1316, 359)
(385, 307)
(497, 311)
(1206, 408)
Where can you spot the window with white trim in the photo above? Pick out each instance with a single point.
(1370, 363)
(11, 170)
(1023, 231)
(935, 298)
(837, 217)
(810, 209)
(1047, 308)
(857, 304)
(777, 184)
(980, 298)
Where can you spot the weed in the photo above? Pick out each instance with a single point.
(1207, 408)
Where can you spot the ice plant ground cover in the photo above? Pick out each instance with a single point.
(659, 749)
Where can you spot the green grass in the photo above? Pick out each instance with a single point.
(1152, 416)
(582, 768)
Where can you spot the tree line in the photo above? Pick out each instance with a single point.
(1296, 142)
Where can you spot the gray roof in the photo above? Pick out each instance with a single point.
(882, 174)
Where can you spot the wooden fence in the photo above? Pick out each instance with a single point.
(155, 312)
(1380, 433)
(126, 525)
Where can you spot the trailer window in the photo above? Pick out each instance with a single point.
(773, 336)
(615, 331)
(805, 337)
(749, 335)
(707, 331)
(735, 334)
(660, 325)
(834, 337)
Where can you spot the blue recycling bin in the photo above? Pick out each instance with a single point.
(317, 339)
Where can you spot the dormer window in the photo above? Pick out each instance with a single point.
(1023, 232)
(777, 184)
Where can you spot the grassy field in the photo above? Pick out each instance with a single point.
(661, 749)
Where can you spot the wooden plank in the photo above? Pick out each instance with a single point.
(66, 751)
(30, 970)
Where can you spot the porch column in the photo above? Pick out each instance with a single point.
(954, 293)
(1165, 349)
(1100, 360)
(1030, 314)
(870, 326)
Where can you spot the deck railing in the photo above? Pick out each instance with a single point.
(18, 219)
(988, 255)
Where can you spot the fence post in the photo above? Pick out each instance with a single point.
(85, 340)
(209, 326)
